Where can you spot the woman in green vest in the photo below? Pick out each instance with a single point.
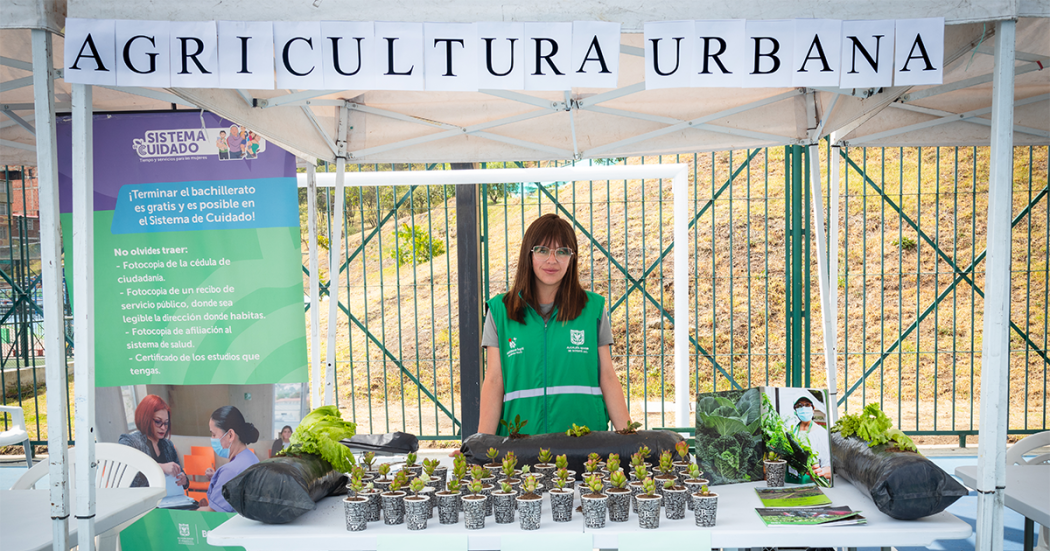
(547, 343)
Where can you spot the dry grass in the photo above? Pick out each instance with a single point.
(889, 275)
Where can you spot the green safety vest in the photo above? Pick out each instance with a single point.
(550, 369)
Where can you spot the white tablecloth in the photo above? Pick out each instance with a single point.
(1027, 489)
(738, 526)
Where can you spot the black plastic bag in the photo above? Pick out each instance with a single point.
(278, 490)
(396, 443)
(904, 485)
(575, 448)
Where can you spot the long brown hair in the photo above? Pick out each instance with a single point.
(571, 298)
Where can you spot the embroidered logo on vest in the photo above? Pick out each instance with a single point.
(576, 335)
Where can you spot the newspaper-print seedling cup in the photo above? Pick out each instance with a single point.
(356, 509)
(775, 472)
(417, 511)
(561, 504)
(705, 508)
(649, 511)
(619, 504)
(595, 509)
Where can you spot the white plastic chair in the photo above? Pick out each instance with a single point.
(1015, 455)
(117, 466)
(17, 434)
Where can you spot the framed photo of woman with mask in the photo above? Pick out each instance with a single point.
(805, 419)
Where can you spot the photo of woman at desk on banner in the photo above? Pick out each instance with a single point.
(547, 343)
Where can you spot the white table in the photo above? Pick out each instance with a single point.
(738, 527)
(25, 515)
(1027, 492)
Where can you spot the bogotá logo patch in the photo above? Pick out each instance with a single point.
(576, 336)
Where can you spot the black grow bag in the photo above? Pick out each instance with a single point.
(278, 490)
(393, 443)
(904, 485)
(575, 448)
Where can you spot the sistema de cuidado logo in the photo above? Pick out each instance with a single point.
(228, 144)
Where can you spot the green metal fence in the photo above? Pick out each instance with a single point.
(911, 236)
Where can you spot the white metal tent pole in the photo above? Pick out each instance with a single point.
(995, 351)
(833, 269)
(335, 250)
(315, 302)
(680, 191)
(827, 312)
(84, 313)
(51, 276)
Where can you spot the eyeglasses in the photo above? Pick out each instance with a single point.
(562, 254)
(161, 424)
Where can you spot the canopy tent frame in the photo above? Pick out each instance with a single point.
(852, 111)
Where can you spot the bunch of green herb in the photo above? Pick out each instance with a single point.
(875, 427)
(319, 434)
(618, 480)
(545, 455)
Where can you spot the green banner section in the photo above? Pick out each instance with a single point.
(197, 307)
(170, 530)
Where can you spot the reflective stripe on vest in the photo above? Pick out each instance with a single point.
(536, 392)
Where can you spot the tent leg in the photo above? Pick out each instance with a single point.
(827, 311)
(335, 255)
(995, 353)
(315, 300)
(51, 275)
(84, 312)
(680, 188)
(833, 271)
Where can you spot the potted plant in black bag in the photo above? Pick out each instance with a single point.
(648, 505)
(448, 502)
(595, 505)
(693, 482)
(705, 507)
(474, 506)
(503, 502)
(356, 506)
(561, 496)
(393, 500)
(775, 469)
(619, 503)
(416, 510)
(529, 504)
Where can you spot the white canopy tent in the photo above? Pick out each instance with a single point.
(994, 54)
